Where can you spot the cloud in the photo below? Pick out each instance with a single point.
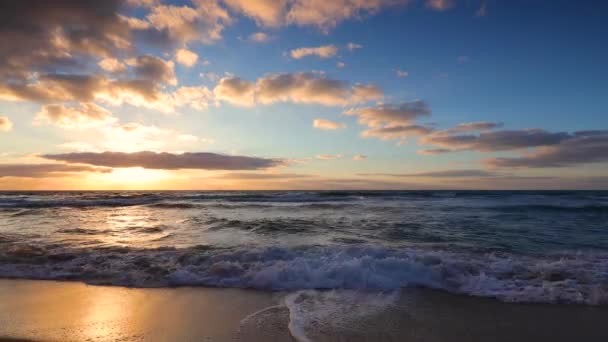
(50, 45)
(552, 149)
(366, 93)
(340, 65)
(324, 15)
(153, 69)
(440, 174)
(473, 126)
(143, 3)
(84, 116)
(329, 156)
(307, 88)
(440, 5)
(259, 37)
(390, 115)
(5, 124)
(311, 88)
(46, 170)
(400, 73)
(166, 161)
(195, 97)
(434, 151)
(399, 132)
(495, 140)
(579, 148)
(249, 175)
(235, 90)
(327, 124)
(89, 88)
(112, 65)
(353, 46)
(186, 57)
(359, 157)
(328, 14)
(43, 35)
(325, 51)
(184, 24)
(264, 12)
(146, 91)
(302, 88)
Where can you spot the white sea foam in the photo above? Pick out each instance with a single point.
(318, 310)
(579, 279)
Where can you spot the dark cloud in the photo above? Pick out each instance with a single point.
(48, 48)
(85, 88)
(441, 174)
(278, 176)
(474, 126)
(54, 87)
(399, 132)
(46, 35)
(434, 151)
(167, 161)
(46, 170)
(390, 115)
(580, 148)
(496, 140)
(153, 69)
(235, 90)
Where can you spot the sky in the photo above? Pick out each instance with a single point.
(303, 94)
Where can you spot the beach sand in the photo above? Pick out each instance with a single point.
(70, 311)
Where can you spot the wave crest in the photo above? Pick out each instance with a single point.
(581, 279)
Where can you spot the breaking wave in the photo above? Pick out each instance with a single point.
(575, 278)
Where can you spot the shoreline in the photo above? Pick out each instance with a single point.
(41, 310)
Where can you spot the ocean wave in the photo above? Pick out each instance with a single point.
(575, 278)
(84, 231)
(509, 200)
(176, 205)
(591, 208)
(75, 203)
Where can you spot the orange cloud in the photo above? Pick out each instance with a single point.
(5, 124)
(327, 124)
(186, 57)
(325, 51)
(313, 88)
(84, 116)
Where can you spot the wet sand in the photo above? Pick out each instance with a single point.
(69, 311)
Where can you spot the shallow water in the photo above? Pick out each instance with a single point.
(519, 246)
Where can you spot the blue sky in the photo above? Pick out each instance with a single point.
(506, 94)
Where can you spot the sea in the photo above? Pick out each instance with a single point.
(514, 246)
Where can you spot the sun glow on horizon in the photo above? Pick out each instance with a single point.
(130, 178)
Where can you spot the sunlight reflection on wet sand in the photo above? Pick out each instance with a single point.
(63, 311)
